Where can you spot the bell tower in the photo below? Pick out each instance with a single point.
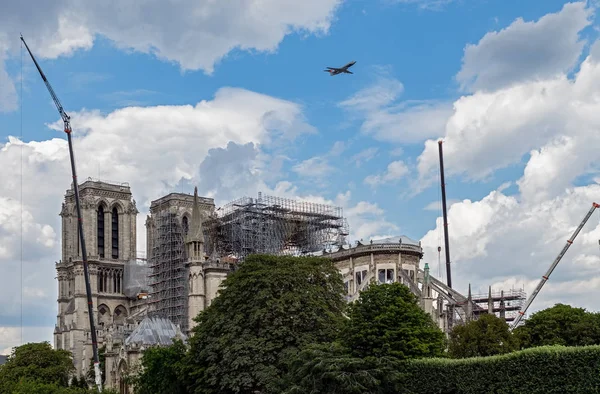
(109, 218)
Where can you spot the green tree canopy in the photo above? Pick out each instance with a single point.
(329, 369)
(36, 363)
(266, 311)
(386, 320)
(560, 325)
(161, 370)
(487, 336)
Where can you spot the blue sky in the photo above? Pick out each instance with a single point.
(422, 48)
(404, 92)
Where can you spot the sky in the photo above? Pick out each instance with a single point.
(231, 97)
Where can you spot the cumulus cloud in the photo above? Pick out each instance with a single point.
(364, 156)
(503, 240)
(493, 130)
(223, 145)
(547, 122)
(390, 120)
(395, 170)
(432, 5)
(155, 149)
(526, 50)
(203, 34)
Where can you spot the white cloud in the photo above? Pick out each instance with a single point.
(526, 50)
(432, 5)
(395, 170)
(11, 336)
(220, 145)
(551, 121)
(388, 120)
(364, 156)
(502, 239)
(437, 205)
(153, 148)
(196, 35)
(546, 118)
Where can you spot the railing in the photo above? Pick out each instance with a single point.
(375, 248)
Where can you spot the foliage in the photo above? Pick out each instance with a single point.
(540, 370)
(267, 310)
(36, 363)
(487, 336)
(161, 369)
(329, 369)
(387, 320)
(560, 325)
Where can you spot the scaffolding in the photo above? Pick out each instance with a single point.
(168, 295)
(505, 303)
(274, 225)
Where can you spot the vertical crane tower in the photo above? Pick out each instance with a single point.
(67, 128)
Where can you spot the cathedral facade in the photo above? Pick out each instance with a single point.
(109, 215)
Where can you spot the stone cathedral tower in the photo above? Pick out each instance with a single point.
(109, 219)
(204, 274)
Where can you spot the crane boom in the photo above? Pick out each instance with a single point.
(552, 266)
(67, 127)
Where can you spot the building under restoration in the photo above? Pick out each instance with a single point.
(192, 247)
(275, 225)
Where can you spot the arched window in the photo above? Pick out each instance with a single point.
(185, 224)
(100, 281)
(100, 231)
(115, 233)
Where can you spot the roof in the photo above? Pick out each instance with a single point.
(154, 331)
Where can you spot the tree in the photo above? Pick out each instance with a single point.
(329, 369)
(386, 320)
(36, 363)
(560, 325)
(486, 336)
(266, 311)
(161, 369)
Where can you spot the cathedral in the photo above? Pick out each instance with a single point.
(131, 314)
(139, 303)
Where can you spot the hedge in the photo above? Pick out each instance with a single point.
(543, 370)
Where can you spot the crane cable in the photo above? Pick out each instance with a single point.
(21, 186)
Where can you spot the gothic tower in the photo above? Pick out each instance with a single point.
(109, 225)
(196, 257)
(205, 274)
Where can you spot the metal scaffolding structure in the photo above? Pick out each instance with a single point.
(168, 295)
(274, 225)
(504, 303)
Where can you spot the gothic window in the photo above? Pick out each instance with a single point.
(115, 233)
(185, 224)
(100, 231)
(120, 314)
(103, 315)
(114, 278)
(100, 281)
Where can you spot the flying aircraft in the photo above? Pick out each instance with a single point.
(343, 70)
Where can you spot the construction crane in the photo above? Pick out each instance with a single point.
(67, 128)
(554, 264)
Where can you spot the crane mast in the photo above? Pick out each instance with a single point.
(67, 128)
(552, 266)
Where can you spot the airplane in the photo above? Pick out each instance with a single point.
(343, 70)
